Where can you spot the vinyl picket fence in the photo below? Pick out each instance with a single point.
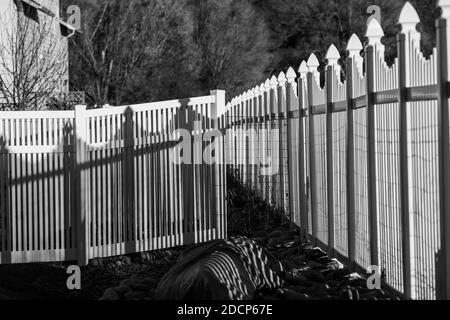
(364, 163)
(82, 184)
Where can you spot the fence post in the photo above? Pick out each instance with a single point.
(312, 151)
(81, 211)
(283, 143)
(404, 80)
(354, 68)
(291, 107)
(302, 83)
(350, 167)
(274, 125)
(333, 58)
(218, 108)
(443, 263)
(371, 161)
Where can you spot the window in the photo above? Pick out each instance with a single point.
(30, 12)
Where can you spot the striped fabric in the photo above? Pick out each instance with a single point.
(255, 270)
(233, 269)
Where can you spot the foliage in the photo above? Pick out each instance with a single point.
(249, 212)
(138, 51)
(300, 28)
(146, 50)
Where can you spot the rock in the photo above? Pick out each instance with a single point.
(94, 262)
(110, 294)
(126, 260)
(135, 295)
(335, 265)
(353, 276)
(316, 253)
(143, 256)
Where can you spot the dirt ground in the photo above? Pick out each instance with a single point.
(48, 281)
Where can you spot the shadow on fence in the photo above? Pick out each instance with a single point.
(133, 193)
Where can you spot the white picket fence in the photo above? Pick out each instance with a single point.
(82, 184)
(365, 161)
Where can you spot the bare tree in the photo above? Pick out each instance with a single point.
(33, 58)
(120, 44)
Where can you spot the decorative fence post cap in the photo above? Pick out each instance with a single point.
(250, 94)
(374, 32)
(262, 88)
(409, 18)
(273, 82)
(256, 91)
(291, 75)
(282, 79)
(354, 46)
(313, 63)
(333, 55)
(267, 85)
(303, 69)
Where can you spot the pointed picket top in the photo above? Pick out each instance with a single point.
(409, 20)
(303, 69)
(267, 85)
(408, 15)
(282, 79)
(291, 75)
(445, 5)
(374, 32)
(251, 93)
(262, 88)
(354, 46)
(273, 82)
(313, 63)
(256, 91)
(333, 55)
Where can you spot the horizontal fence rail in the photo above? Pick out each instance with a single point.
(83, 184)
(363, 158)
